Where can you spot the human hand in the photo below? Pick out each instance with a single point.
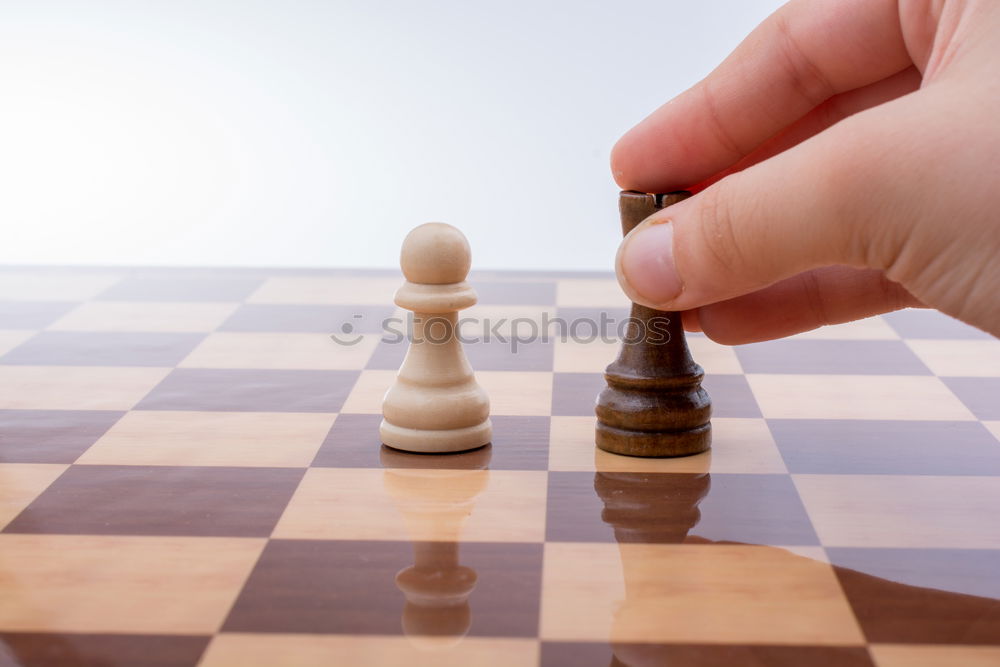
(846, 162)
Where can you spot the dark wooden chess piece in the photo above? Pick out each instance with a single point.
(654, 404)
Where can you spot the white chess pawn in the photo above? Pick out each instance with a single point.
(435, 404)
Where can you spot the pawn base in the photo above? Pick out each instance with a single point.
(447, 440)
(654, 443)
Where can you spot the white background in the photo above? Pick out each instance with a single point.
(316, 133)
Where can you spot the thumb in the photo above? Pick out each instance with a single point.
(808, 207)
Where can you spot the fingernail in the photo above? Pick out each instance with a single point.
(645, 264)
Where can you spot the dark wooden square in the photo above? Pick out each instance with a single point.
(350, 587)
(51, 436)
(30, 314)
(672, 507)
(584, 654)
(42, 649)
(519, 443)
(251, 390)
(980, 395)
(295, 318)
(92, 348)
(923, 596)
(929, 323)
(861, 447)
(514, 293)
(161, 500)
(182, 288)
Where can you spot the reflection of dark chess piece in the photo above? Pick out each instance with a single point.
(662, 508)
(654, 404)
(651, 508)
(56, 649)
(435, 494)
(646, 508)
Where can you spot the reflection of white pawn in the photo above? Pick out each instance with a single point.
(435, 405)
(435, 504)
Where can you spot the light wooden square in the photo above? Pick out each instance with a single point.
(591, 293)
(738, 446)
(172, 438)
(871, 328)
(527, 393)
(75, 387)
(911, 397)
(732, 594)
(112, 584)
(419, 505)
(959, 358)
(367, 394)
(994, 427)
(21, 483)
(280, 351)
(812, 553)
(344, 291)
(132, 316)
(714, 358)
(901, 511)
(579, 357)
(54, 285)
(312, 650)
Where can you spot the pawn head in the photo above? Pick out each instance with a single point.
(435, 254)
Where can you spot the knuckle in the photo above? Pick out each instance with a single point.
(719, 128)
(718, 227)
(805, 77)
(815, 298)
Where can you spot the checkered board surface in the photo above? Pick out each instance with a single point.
(190, 473)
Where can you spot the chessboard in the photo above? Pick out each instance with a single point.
(190, 473)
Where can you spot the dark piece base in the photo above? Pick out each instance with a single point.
(656, 443)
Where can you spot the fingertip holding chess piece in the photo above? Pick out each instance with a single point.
(435, 404)
(654, 404)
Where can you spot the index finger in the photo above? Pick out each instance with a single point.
(803, 54)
